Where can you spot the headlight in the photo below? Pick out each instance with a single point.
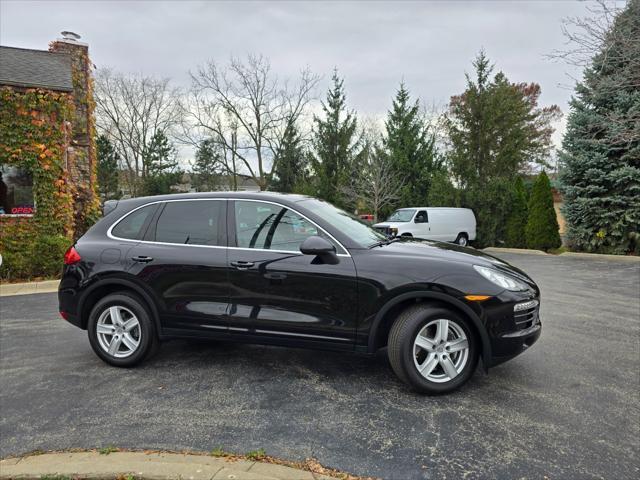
(502, 280)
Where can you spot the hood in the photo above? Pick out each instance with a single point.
(416, 248)
(388, 224)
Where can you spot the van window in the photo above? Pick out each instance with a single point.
(133, 226)
(422, 217)
(190, 222)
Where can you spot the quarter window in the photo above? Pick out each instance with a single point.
(132, 226)
(190, 223)
(271, 227)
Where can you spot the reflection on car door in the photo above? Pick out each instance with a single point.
(277, 291)
(183, 258)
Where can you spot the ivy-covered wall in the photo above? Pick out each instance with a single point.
(35, 133)
(82, 158)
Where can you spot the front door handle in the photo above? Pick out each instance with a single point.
(242, 265)
(142, 259)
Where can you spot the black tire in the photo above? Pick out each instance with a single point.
(401, 348)
(462, 239)
(406, 235)
(148, 338)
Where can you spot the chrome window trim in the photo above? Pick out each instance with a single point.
(113, 237)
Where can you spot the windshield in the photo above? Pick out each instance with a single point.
(349, 225)
(404, 215)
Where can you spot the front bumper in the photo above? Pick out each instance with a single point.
(511, 331)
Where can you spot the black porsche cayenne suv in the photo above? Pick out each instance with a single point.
(295, 271)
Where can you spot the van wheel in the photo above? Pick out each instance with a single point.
(462, 239)
(121, 331)
(432, 349)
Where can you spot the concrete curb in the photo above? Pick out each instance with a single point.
(151, 466)
(513, 250)
(602, 256)
(590, 256)
(28, 288)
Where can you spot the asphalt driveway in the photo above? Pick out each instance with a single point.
(567, 408)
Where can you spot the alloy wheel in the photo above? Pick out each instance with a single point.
(118, 331)
(440, 350)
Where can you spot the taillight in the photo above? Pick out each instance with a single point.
(71, 256)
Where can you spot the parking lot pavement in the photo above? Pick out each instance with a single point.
(567, 408)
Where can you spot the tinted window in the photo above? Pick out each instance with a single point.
(189, 223)
(131, 227)
(271, 227)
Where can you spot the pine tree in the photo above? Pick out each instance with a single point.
(517, 220)
(290, 162)
(542, 228)
(335, 144)
(108, 160)
(600, 162)
(495, 129)
(411, 148)
(208, 167)
(160, 166)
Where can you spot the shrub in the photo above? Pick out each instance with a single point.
(542, 224)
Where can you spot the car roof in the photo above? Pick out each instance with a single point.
(273, 196)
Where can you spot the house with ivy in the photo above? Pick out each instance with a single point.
(47, 155)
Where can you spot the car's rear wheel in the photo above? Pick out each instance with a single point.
(462, 239)
(433, 349)
(121, 331)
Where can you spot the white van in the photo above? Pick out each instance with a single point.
(434, 223)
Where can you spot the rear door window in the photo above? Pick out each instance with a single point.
(196, 222)
(133, 226)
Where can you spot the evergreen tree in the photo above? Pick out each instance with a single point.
(290, 162)
(600, 162)
(336, 145)
(495, 129)
(108, 160)
(411, 148)
(160, 166)
(517, 219)
(542, 228)
(207, 168)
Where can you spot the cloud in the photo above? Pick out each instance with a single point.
(374, 45)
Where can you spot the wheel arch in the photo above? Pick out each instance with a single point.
(386, 316)
(111, 285)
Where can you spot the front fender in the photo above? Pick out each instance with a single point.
(443, 298)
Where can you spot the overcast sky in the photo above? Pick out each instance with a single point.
(374, 45)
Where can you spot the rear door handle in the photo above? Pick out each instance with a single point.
(241, 265)
(142, 259)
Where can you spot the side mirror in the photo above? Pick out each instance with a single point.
(324, 250)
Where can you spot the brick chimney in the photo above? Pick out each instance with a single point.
(81, 157)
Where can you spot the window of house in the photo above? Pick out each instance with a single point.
(16, 191)
(271, 227)
(132, 227)
(190, 223)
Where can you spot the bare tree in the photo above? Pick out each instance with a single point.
(376, 183)
(130, 110)
(247, 109)
(594, 34)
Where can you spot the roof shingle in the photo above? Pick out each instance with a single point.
(22, 67)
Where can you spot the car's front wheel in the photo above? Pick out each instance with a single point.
(432, 349)
(120, 330)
